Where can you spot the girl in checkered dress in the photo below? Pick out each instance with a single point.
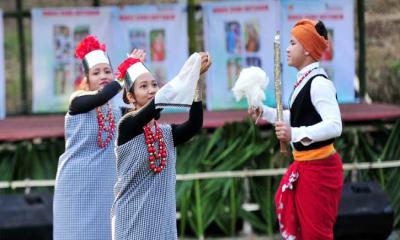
(86, 170)
(144, 206)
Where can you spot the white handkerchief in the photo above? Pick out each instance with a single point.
(179, 92)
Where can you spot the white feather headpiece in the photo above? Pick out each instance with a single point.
(251, 84)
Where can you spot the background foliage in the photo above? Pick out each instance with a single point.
(214, 206)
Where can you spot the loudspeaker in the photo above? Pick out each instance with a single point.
(364, 213)
(26, 217)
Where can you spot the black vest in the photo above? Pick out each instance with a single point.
(303, 113)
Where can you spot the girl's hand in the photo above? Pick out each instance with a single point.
(138, 53)
(205, 62)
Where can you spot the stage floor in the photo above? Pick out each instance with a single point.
(49, 126)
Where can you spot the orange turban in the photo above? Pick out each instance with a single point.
(304, 31)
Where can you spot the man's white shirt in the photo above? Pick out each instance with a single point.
(323, 97)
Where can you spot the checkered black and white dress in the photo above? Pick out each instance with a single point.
(86, 174)
(144, 206)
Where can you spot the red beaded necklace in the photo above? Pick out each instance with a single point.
(103, 128)
(302, 78)
(151, 138)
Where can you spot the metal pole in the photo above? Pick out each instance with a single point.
(361, 50)
(22, 56)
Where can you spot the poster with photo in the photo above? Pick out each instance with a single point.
(339, 58)
(56, 71)
(2, 76)
(160, 30)
(247, 29)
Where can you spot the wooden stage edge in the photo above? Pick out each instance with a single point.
(52, 126)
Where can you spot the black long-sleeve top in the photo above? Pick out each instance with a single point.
(131, 125)
(85, 103)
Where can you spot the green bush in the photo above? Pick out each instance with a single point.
(214, 206)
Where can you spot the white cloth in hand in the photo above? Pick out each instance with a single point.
(251, 84)
(179, 91)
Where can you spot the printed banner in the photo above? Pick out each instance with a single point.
(160, 30)
(56, 32)
(339, 59)
(238, 34)
(2, 80)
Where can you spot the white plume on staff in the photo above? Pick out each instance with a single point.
(251, 84)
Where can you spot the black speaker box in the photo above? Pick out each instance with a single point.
(364, 213)
(26, 217)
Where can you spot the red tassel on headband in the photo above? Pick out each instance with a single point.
(123, 67)
(87, 45)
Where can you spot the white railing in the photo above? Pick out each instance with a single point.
(209, 175)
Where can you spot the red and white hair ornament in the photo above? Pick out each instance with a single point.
(91, 52)
(129, 70)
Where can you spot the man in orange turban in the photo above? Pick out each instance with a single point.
(308, 196)
(307, 35)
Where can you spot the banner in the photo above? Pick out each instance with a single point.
(2, 80)
(160, 30)
(339, 59)
(56, 32)
(238, 34)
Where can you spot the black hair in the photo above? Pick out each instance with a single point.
(321, 29)
(124, 97)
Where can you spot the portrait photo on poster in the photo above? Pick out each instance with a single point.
(157, 43)
(252, 36)
(233, 37)
(62, 58)
(80, 32)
